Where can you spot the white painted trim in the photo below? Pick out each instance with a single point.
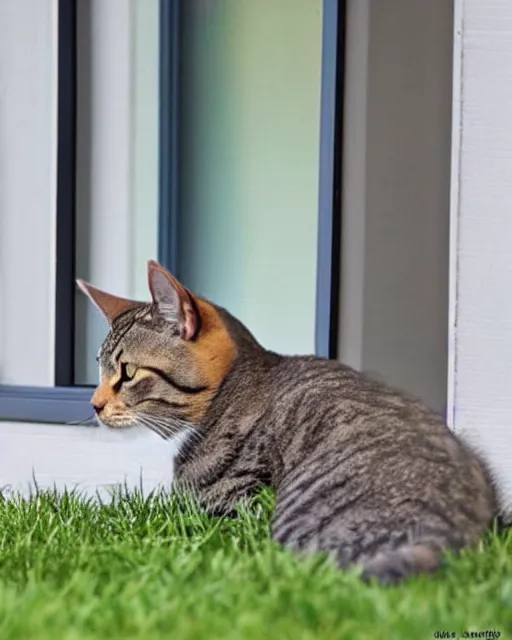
(481, 293)
(457, 123)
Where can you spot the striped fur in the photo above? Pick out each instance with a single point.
(361, 470)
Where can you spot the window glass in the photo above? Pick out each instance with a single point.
(117, 161)
(248, 162)
(250, 127)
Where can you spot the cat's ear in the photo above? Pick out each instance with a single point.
(110, 306)
(173, 299)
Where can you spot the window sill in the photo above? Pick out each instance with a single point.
(60, 405)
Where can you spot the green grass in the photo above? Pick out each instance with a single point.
(157, 568)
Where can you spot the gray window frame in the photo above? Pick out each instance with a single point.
(66, 403)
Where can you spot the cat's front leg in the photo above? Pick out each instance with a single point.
(222, 497)
(224, 475)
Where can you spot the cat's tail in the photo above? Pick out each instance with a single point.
(391, 567)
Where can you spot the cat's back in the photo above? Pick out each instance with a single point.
(360, 456)
(327, 410)
(339, 391)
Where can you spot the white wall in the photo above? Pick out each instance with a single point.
(481, 269)
(396, 193)
(86, 458)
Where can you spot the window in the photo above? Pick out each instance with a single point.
(206, 133)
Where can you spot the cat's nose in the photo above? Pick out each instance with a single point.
(98, 407)
(98, 401)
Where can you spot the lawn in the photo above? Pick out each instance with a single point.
(156, 567)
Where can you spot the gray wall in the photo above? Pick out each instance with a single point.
(395, 235)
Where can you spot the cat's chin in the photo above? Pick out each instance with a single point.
(116, 425)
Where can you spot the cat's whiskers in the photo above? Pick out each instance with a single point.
(86, 421)
(156, 429)
(161, 430)
(169, 428)
(172, 427)
(165, 426)
(175, 426)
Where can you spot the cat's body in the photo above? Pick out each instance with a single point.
(360, 470)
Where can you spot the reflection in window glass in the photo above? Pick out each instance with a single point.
(250, 130)
(117, 163)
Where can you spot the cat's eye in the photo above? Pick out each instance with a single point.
(128, 371)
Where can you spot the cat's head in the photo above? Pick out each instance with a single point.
(162, 362)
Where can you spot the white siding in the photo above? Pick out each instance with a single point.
(481, 284)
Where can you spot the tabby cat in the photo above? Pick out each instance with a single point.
(360, 470)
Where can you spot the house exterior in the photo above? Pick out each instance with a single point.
(336, 173)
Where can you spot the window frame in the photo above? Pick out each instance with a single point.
(66, 403)
(330, 179)
(62, 403)
(64, 371)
